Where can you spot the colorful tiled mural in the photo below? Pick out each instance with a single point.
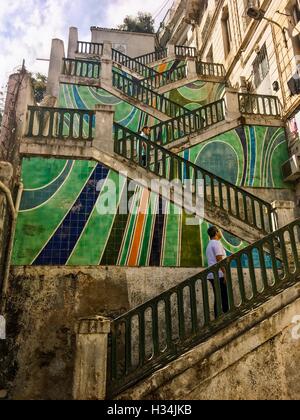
(86, 97)
(247, 156)
(60, 222)
(196, 94)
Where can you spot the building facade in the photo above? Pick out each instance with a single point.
(261, 55)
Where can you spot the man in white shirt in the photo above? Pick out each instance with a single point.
(216, 253)
(142, 146)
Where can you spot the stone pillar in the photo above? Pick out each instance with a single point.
(107, 50)
(73, 41)
(90, 374)
(55, 67)
(106, 64)
(104, 128)
(232, 104)
(171, 50)
(285, 213)
(19, 96)
(191, 68)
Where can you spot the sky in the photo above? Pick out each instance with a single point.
(28, 26)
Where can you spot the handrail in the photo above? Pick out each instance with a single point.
(150, 336)
(136, 90)
(183, 51)
(132, 64)
(89, 48)
(153, 56)
(218, 192)
(190, 123)
(166, 77)
(210, 69)
(60, 123)
(256, 104)
(81, 68)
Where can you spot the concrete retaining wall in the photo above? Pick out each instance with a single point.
(44, 305)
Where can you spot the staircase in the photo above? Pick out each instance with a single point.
(154, 334)
(231, 207)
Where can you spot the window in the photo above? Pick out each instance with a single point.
(261, 66)
(210, 55)
(226, 32)
(296, 12)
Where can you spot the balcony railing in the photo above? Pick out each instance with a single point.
(142, 93)
(89, 48)
(81, 68)
(182, 51)
(152, 57)
(152, 335)
(60, 123)
(263, 105)
(210, 69)
(132, 64)
(192, 122)
(167, 77)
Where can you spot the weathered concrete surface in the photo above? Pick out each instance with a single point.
(44, 305)
(19, 96)
(90, 374)
(6, 176)
(255, 358)
(132, 44)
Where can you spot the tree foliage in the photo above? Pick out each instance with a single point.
(39, 83)
(143, 23)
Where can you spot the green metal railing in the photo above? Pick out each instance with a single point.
(132, 64)
(60, 123)
(218, 193)
(81, 68)
(190, 123)
(210, 69)
(167, 77)
(152, 335)
(183, 51)
(89, 48)
(259, 105)
(136, 90)
(152, 57)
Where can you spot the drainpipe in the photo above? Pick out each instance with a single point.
(14, 209)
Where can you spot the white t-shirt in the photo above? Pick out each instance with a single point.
(215, 249)
(141, 145)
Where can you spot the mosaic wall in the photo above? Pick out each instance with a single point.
(247, 156)
(60, 224)
(86, 97)
(197, 94)
(192, 94)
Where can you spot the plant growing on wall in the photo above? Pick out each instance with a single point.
(39, 83)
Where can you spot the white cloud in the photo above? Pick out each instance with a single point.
(28, 26)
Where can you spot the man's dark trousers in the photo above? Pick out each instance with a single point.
(224, 295)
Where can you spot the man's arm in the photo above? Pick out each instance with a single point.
(220, 258)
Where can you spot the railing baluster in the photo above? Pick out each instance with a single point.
(128, 352)
(155, 332)
(181, 317)
(193, 306)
